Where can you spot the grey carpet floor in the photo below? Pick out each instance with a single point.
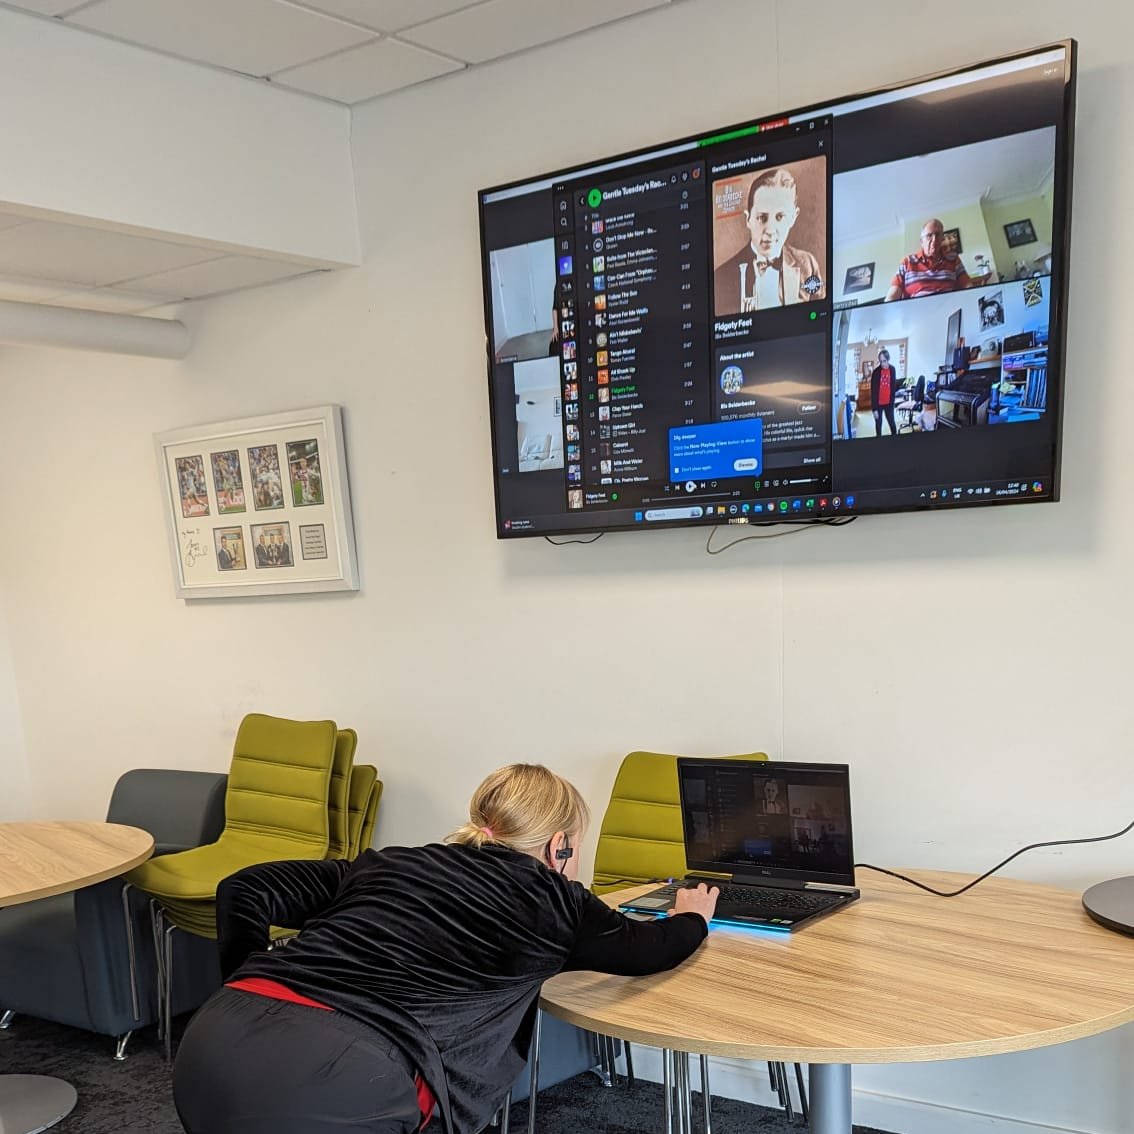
(134, 1097)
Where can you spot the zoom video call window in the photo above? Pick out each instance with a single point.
(858, 307)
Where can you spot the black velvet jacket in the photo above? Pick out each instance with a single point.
(442, 948)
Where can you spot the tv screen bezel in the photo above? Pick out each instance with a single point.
(1057, 324)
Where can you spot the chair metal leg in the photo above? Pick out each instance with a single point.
(7, 1018)
(706, 1094)
(629, 1064)
(131, 950)
(159, 966)
(603, 1048)
(594, 1040)
(120, 1046)
(785, 1092)
(802, 1095)
(686, 1093)
(611, 1062)
(533, 1083)
(678, 1108)
(667, 1089)
(682, 1058)
(168, 966)
(506, 1113)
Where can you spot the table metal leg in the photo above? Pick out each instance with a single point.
(830, 1098)
(29, 1103)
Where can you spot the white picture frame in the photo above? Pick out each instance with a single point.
(259, 506)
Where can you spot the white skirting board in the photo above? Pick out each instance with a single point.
(748, 1082)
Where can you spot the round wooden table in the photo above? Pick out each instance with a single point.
(36, 861)
(898, 976)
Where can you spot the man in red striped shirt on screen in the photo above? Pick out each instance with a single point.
(931, 270)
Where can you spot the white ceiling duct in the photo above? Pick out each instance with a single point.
(33, 324)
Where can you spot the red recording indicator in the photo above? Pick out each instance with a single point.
(775, 124)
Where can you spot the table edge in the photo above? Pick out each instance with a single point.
(998, 1045)
(87, 880)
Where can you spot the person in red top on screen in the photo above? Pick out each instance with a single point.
(883, 387)
(931, 270)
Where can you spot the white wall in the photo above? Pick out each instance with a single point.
(15, 784)
(974, 723)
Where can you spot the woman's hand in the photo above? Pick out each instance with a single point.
(701, 901)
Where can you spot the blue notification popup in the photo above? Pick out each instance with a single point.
(728, 448)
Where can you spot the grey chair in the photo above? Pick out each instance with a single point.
(70, 958)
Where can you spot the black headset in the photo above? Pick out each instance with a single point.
(562, 855)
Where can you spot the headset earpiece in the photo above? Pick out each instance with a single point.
(561, 855)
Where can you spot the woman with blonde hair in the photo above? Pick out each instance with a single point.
(416, 976)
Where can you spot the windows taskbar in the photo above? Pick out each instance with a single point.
(776, 509)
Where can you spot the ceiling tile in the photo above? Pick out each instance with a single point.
(88, 257)
(363, 72)
(44, 7)
(114, 300)
(500, 27)
(255, 37)
(21, 289)
(389, 15)
(230, 273)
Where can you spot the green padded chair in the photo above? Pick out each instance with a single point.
(641, 839)
(360, 815)
(364, 789)
(199, 917)
(365, 792)
(641, 835)
(277, 806)
(338, 802)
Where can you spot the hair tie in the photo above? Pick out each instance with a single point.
(487, 831)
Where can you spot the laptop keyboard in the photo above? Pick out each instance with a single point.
(765, 898)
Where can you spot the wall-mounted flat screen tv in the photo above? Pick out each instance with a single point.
(854, 307)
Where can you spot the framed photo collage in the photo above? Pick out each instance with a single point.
(259, 506)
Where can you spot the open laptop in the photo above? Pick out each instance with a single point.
(781, 831)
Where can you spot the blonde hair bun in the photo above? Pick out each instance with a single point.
(521, 806)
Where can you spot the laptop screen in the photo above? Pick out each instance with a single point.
(767, 819)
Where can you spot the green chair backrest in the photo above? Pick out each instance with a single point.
(276, 807)
(363, 779)
(370, 818)
(641, 836)
(338, 802)
(280, 781)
